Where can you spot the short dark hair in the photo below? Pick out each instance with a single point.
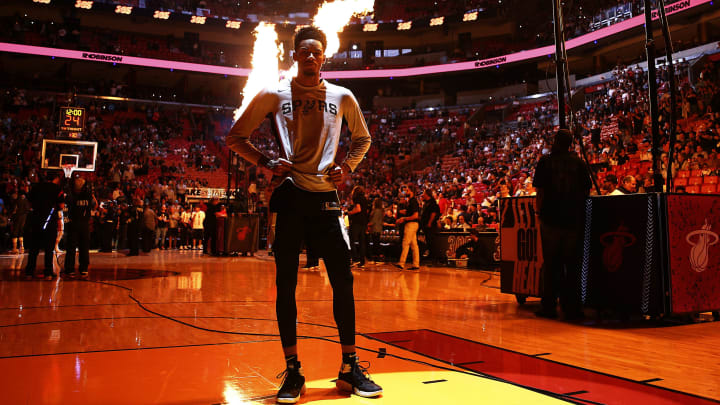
(310, 33)
(563, 140)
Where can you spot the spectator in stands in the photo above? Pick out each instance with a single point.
(149, 224)
(429, 221)
(358, 216)
(186, 227)
(474, 250)
(375, 228)
(196, 222)
(210, 245)
(174, 226)
(409, 220)
(4, 227)
(161, 232)
(527, 189)
(628, 186)
(609, 184)
(18, 217)
(134, 226)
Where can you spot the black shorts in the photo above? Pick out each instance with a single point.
(197, 233)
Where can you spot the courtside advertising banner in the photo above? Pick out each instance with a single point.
(693, 229)
(520, 246)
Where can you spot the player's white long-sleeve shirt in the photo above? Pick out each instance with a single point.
(308, 120)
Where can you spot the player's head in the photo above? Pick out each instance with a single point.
(310, 33)
(563, 140)
(309, 53)
(78, 184)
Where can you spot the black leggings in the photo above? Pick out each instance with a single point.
(326, 237)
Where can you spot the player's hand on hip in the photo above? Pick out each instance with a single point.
(337, 173)
(279, 167)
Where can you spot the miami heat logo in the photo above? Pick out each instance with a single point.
(242, 232)
(700, 241)
(615, 243)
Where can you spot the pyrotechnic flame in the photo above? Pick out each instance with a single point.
(265, 58)
(332, 17)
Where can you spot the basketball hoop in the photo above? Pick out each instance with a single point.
(68, 169)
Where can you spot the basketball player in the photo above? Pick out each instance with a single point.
(80, 203)
(307, 113)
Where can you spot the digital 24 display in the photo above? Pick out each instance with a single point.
(72, 119)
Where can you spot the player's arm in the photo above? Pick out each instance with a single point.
(238, 139)
(360, 139)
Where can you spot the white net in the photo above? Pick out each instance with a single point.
(68, 169)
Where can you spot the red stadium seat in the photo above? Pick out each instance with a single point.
(710, 180)
(708, 189)
(684, 173)
(692, 189)
(681, 181)
(695, 181)
(696, 173)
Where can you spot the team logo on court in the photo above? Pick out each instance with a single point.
(615, 243)
(701, 240)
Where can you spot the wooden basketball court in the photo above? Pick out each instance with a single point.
(182, 328)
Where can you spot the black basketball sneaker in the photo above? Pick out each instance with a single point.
(355, 378)
(293, 386)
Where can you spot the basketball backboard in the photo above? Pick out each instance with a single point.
(56, 153)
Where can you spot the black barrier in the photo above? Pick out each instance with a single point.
(446, 244)
(240, 233)
(622, 266)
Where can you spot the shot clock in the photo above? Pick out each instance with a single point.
(72, 121)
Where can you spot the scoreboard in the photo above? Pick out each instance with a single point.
(72, 121)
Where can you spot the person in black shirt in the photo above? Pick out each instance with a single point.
(108, 226)
(210, 244)
(134, 220)
(79, 205)
(562, 182)
(410, 227)
(46, 199)
(358, 216)
(428, 221)
(475, 251)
